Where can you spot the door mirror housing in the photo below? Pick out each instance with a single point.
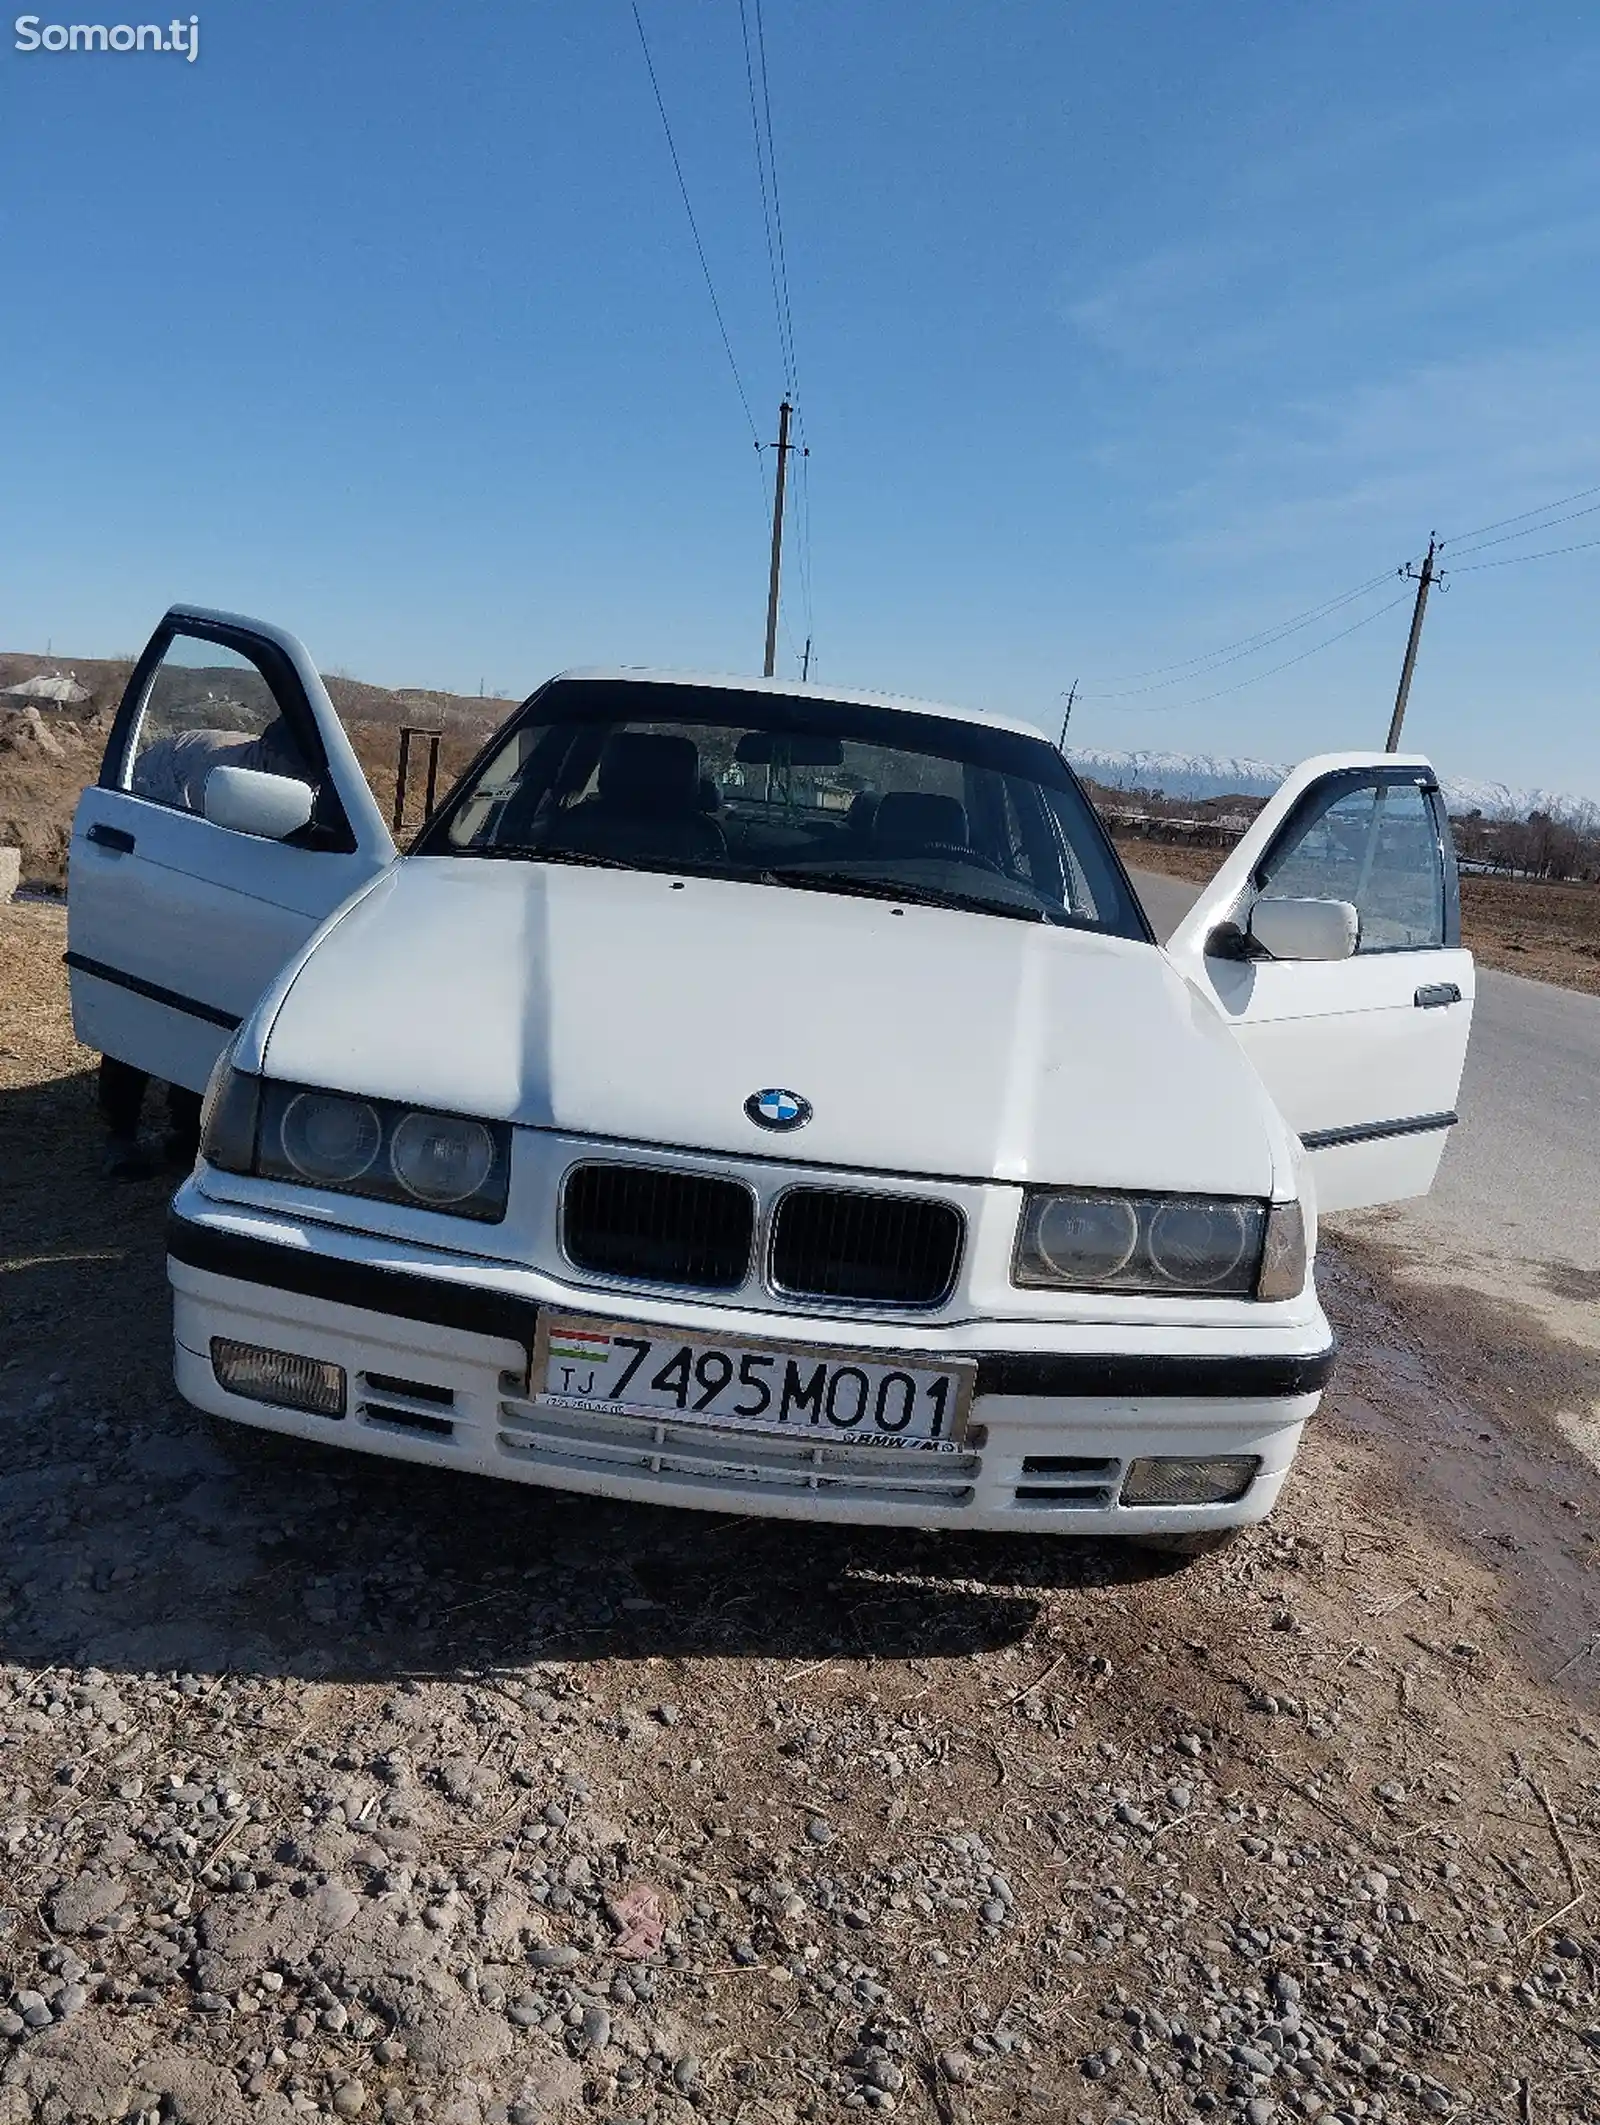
(272, 807)
(1306, 929)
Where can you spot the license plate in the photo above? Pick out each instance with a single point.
(734, 1383)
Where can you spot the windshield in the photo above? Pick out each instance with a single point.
(776, 789)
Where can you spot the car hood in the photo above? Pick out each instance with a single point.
(646, 1008)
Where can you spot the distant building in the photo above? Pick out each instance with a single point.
(62, 689)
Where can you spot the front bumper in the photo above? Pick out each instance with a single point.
(436, 1354)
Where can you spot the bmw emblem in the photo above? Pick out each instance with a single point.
(776, 1108)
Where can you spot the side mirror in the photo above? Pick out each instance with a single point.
(269, 806)
(1306, 929)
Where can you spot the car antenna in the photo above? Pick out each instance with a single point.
(1061, 742)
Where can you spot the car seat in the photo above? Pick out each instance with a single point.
(909, 822)
(647, 804)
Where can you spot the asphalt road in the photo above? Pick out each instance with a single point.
(1519, 1189)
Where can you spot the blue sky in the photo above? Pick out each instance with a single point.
(1124, 330)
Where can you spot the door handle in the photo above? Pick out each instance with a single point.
(1434, 993)
(112, 837)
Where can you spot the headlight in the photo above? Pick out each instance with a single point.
(380, 1148)
(440, 1159)
(1085, 1239)
(329, 1140)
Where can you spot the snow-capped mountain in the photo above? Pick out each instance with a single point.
(1179, 774)
(1226, 775)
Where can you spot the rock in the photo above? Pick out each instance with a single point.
(24, 731)
(34, 2009)
(333, 1906)
(555, 1957)
(595, 2030)
(957, 2067)
(686, 2073)
(10, 873)
(86, 1901)
(819, 1832)
(349, 2099)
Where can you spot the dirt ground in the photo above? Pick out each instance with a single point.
(332, 1788)
(1545, 932)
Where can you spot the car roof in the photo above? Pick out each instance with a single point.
(731, 682)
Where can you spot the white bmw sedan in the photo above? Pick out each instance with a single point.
(752, 1097)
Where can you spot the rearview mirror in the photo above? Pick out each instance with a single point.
(763, 748)
(1306, 929)
(269, 806)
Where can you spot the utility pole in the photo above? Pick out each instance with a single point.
(1424, 585)
(805, 663)
(784, 446)
(1061, 742)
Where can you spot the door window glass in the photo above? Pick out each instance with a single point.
(1375, 845)
(208, 706)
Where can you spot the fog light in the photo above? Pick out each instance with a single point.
(278, 1377)
(1213, 1482)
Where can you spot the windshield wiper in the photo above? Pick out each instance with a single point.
(526, 852)
(881, 889)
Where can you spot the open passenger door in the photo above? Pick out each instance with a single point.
(187, 891)
(1362, 1052)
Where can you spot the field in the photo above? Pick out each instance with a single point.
(327, 1783)
(1545, 932)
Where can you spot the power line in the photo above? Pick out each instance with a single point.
(777, 202)
(1561, 502)
(694, 227)
(1248, 645)
(1315, 650)
(1545, 553)
(1532, 531)
(758, 90)
(763, 153)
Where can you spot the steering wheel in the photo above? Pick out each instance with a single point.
(955, 851)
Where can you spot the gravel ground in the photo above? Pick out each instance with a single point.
(329, 1788)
